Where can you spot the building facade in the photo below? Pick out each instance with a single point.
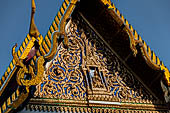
(91, 60)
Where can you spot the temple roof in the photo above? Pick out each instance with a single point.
(131, 42)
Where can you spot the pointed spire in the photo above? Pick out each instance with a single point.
(33, 29)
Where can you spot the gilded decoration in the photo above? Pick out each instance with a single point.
(64, 79)
(119, 80)
(31, 74)
(36, 74)
(88, 66)
(84, 68)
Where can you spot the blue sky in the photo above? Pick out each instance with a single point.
(150, 18)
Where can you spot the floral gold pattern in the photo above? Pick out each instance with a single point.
(87, 64)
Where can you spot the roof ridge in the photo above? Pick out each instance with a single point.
(46, 44)
(150, 54)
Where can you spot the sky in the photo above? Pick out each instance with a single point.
(150, 18)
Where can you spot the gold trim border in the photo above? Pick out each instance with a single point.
(85, 104)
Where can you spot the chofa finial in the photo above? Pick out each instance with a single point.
(33, 29)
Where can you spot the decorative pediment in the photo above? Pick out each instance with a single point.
(89, 74)
(88, 70)
(80, 70)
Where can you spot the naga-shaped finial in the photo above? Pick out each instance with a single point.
(33, 28)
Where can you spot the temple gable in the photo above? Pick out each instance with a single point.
(88, 74)
(90, 61)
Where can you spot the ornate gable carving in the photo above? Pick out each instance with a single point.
(89, 69)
